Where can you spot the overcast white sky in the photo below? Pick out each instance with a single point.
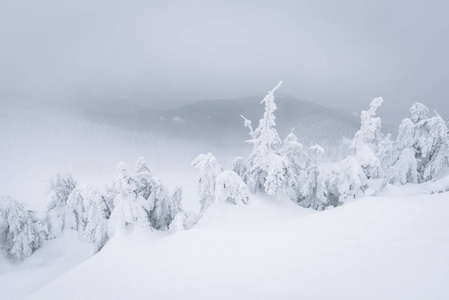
(337, 53)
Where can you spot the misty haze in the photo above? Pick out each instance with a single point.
(224, 149)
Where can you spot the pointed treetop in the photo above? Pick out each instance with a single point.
(271, 93)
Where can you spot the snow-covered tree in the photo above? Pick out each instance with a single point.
(161, 214)
(433, 146)
(130, 209)
(312, 189)
(385, 154)
(419, 112)
(88, 213)
(347, 180)
(208, 168)
(405, 168)
(60, 189)
(146, 182)
(176, 202)
(230, 187)
(41, 228)
(422, 147)
(238, 166)
(276, 178)
(367, 138)
(141, 165)
(180, 219)
(296, 157)
(110, 195)
(265, 168)
(18, 235)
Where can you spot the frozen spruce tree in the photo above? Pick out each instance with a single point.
(178, 216)
(385, 154)
(433, 147)
(347, 180)
(142, 165)
(238, 166)
(422, 147)
(312, 187)
(419, 112)
(60, 189)
(161, 214)
(405, 165)
(293, 152)
(176, 202)
(208, 168)
(131, 209)
(230, 187)
(180, 219)
(88, 213)
(265, 168)
(366, 140)
(41, 228)
(18, 237)
(405, 168)
(146, 182)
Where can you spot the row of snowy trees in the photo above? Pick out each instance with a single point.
(419, 154)
(134, 200)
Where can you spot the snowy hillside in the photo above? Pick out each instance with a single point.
(388, 247)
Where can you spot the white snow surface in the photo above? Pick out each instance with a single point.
(393, 246)
(54, 258)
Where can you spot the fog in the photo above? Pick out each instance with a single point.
(162, 54)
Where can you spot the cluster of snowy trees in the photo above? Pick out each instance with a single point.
(216, 185)
(139, 200)
(419, 154)
(134, 200)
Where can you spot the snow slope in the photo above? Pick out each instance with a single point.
(394, 246)
(55, 258)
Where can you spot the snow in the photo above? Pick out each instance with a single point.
(394, 246)
(47, 263)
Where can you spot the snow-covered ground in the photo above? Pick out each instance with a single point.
(393, 246)
(17, 280)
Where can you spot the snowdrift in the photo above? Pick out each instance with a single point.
(387, 247)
